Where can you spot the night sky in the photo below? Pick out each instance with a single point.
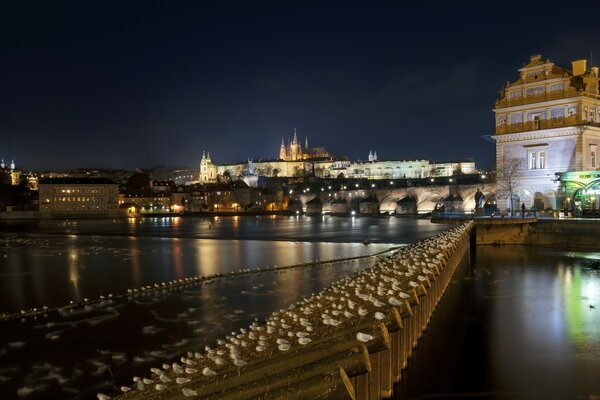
(139, 84)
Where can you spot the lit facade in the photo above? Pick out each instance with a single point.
(208, 170)
(78, 197)
(547, 123)
(331, 167)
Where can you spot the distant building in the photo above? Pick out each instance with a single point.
(295, 152)
(297, 161)
(547, 124)
(208, 170)
(78, 198)
(11, 171)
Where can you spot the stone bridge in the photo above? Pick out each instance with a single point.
(425, 198)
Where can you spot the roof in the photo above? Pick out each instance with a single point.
(76, 181)
(219, 187)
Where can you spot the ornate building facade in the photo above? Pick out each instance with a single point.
(547, 123)
(295, 152)
(208, 170)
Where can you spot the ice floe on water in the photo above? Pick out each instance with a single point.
(103, 342)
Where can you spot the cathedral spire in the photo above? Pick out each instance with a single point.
(295, 141)
(282, 151)
(306, 142)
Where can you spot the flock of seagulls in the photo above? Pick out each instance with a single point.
(368, 294)
(43, 311)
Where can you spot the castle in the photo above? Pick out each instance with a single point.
(296, 160)
(295, 152)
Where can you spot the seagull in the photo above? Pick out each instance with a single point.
(363, 337)
(189, 392)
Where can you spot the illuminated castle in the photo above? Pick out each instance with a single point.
(295, 152)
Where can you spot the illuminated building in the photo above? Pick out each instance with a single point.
(208, 170)
(11, 170)
(78, 198)
(296, 161)
(547, 123)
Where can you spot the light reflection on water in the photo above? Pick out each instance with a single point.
(516, 325)
(76, 354)
(51, 263)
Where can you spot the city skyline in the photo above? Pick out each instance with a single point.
(136, 86)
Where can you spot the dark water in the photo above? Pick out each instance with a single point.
(75, 354)
(514, 324)
(51, 263)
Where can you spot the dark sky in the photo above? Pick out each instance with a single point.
(126, 84)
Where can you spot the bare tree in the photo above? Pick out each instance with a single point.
(507, 179)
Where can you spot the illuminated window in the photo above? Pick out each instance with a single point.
(536, 158)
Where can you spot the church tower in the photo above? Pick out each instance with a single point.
(282, 151)
(295, 149)
(208, 171)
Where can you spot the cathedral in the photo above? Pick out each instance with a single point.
(295, 152)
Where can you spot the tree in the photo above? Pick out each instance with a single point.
(139, 184)
(507, 180)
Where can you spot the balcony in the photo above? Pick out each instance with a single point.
(543, 124)
(547, 96)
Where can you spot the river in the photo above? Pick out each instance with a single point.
(515, 322)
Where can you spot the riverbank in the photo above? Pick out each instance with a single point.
(542, 232)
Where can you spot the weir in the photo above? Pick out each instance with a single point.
(351, 341)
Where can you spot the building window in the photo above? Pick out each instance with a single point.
(593, 152)
(536, 159)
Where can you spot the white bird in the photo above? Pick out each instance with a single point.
(238, 362)
(208, 372)
(283, 347)
(181, 380)
(394, 301)
(189, 392)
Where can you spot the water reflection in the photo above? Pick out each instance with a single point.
(77, 353)
(521, 327)
(74, 272)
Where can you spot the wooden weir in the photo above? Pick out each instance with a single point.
(335, 364)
